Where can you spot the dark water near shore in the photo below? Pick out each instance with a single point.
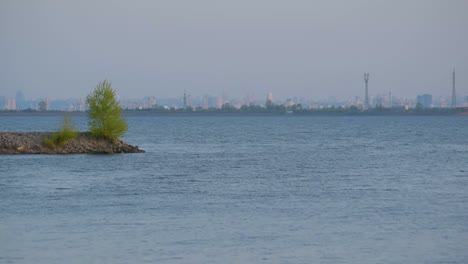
(244, 190)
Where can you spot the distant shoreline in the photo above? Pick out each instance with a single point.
(460, 111)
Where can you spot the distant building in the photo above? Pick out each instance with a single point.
(11, 104)
(82, 105)
(21, 101)
(212, 102)
(425, 100)
(2, 103)
(219, 102)
(149, 102)
(289, 103)
(378, 101)
(249, 99)
(47, 100)
(269, 101)
(442, 102)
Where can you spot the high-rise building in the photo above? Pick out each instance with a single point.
(248, 99)
(82, 105)
(454, 96)
(2, 103)
(213, 102)
(47, 100)
(185, 100)
(21, 101)
(366, 98)
(390, 103)
(11, 104)
(20, 96)
(269, 101)
(425, 100)
(152, 102)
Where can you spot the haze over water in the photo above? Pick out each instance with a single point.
(296, 48)
(278, 189)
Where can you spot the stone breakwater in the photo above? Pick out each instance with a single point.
(33, 143)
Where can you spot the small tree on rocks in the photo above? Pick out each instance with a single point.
(105, 113)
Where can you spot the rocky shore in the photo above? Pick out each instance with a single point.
(33, 143)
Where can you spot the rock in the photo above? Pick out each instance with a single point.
(33, 143)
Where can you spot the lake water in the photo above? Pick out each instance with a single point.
(281, 189)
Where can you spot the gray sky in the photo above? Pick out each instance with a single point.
(311, 49)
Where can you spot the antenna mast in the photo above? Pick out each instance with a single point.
(366, 100)
(454, 96)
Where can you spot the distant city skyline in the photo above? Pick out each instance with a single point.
(23, 102)
(309, 49)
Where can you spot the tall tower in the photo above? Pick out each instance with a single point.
(366, 100)
(185, 100)
(390, 100)
(454, 96)
(269, 101)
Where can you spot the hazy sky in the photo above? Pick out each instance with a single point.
(311, 49)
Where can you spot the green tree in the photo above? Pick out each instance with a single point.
(353, 109)
(419, 107)
(42, 106)
(105, 113)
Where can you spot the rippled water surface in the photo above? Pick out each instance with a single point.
(243, 190)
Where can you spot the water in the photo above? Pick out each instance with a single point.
(244, 190)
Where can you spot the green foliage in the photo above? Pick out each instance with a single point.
(419, 107)
(65, 133)
(353, 109)
(42, 106)
(105, 113)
